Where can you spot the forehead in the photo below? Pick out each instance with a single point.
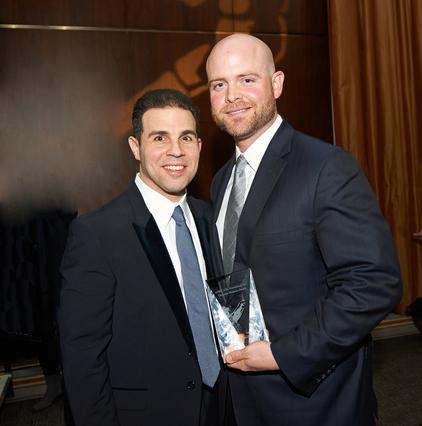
(234, 58)
(170, 119)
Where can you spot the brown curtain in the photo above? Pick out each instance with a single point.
(376, 66)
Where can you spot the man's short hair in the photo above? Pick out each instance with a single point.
(162, 98)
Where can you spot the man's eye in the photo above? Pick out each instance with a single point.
(248, 81)
(218, 86)
(159, 138)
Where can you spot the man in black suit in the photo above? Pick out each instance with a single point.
(320, 251)
(132, 352)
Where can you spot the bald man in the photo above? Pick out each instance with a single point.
(320, 251)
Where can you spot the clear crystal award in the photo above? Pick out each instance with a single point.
(236, 310)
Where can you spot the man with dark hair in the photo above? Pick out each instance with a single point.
(301, 214)
(137, 340)
(162, 98)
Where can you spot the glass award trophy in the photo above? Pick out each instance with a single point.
(236, 310)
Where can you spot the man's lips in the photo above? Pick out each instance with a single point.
(174, 167)
(236, 109)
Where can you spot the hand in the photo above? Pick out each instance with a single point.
(255, 357)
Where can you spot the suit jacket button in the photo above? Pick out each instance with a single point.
(190, 385)
(190, 353)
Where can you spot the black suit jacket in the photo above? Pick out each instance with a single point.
(127, 347)
(326, 274)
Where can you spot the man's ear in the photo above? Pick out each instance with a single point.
(277, 82)
(200, 144)
(134, 146)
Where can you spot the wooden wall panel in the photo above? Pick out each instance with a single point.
(181, 15)
(305, 101)
(66, 96)
(281, 16)
(60, 96)
(74, 92)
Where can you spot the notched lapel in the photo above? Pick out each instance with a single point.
(222, 186)
(269, 171)
(154, 247)
(217, 261)
(203, 228)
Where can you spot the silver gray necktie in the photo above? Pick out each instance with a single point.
(196, 301)
(234, 209)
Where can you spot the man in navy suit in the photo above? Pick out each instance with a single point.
(320, 251)
(130, 353)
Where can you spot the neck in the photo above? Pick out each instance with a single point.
(244, 143)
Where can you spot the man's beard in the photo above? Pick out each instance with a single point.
(246, 127)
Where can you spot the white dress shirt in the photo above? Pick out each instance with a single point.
(162, 209)
(253, 156)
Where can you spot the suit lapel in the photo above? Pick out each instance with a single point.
(267, 175)
(217, 260)
(203, 227)
(222, 185)
(154, 247)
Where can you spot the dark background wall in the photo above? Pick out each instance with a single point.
(71, 71)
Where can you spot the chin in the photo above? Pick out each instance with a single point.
(176, 192)
(239, 133)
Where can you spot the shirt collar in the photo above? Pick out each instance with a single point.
(158, 205)
(256, 151)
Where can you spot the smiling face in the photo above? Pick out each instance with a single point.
(168, 150)
(243, 87)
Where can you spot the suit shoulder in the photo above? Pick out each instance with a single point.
(314, 146)
(222, 169)
(112, 211)
(315, 153)
(200, 206)
(218, 177)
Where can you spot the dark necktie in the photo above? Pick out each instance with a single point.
(234, 208)
(196, 301)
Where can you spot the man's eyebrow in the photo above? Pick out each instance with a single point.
(158, 132)
(249, 74)
(166, 133)
(246, 74)
(188, 132)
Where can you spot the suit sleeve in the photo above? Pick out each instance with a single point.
(363, 276)
(85, 323)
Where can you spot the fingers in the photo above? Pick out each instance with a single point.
(255, 357)
(241, 359)
(235, 356)
(238, 360)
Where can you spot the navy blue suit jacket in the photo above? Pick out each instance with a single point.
(326, 274)
(128, 352)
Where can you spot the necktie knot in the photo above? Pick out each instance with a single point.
(241, 163)
(178, 216)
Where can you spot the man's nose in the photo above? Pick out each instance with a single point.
(175, 149)
(233, 93)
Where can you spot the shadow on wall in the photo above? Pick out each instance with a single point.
(67, 97)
